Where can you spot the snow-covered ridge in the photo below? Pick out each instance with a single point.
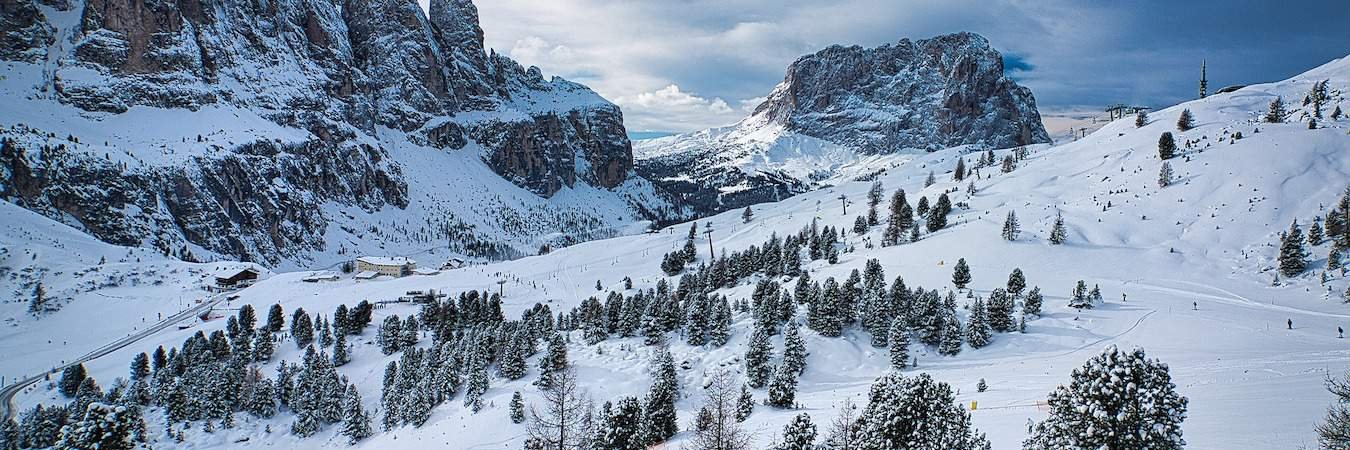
(839, 108)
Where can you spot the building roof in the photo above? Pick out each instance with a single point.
(367, 275)
(386, 260)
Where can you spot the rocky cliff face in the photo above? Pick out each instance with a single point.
(844, 102)
(355, 78)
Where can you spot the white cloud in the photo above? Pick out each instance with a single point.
(672, 108)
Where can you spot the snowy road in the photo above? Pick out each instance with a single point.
(7, 409)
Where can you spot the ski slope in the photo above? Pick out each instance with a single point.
(1186, 271)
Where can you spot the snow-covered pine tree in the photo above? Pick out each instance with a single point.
(390, 335)
(1016, 282)
(794, 349)
(1165, 175)
(410, 332)
(340, 350)
(479, 383)
(659, 419)
(71, 378)
(978, 332)
(745, 404)
(951, 333)
(1167, 146)
(1186, 121)
(1010, 227)
(874, 195)
(899, 344)
(1058, 235)
(517, 408)
(511, 362)
(915, 413)
(1009, 164)
(720, 331)
(263, 347)
(799, 434)
(554, 359)
(757, 355)
(302, 328)
(961, 274)
(1293, 259)
(1140, 119)
(1032, 304)
(1117, 400)
(932, 178)
(1080, 298)
(900, 218)
(860, 226)
(937, 217)
(959, 173)
(355, 421)
(748, 215)
(1000, 308)
(622, 428)
(276, 319)
(783, 387)
(104, 427)
(1276, 113)
(1315, 237)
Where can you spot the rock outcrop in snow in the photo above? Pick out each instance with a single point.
(355, 77)
(845, 103)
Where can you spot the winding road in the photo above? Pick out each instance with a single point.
(7, 407)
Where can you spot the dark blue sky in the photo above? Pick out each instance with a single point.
(687, 64)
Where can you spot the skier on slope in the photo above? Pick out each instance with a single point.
(1290, 323)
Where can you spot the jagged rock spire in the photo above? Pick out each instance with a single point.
(457, 22)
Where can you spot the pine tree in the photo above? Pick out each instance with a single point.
(757, 355)
(140, 367)
(1117, 400)
(915, 413)
(901, 217)
(937, 217)
(355, 421)
(1000, 309)
(104, 427)
(554, 360)
(1010, 227)
(1165, 175)
(961, 274)
(874, 195)
(302, 328)
(1080, 298)
(621, 429)
(1167, 146)
(390, 335)
(959, 173)
(951, 334)
(930, 180)
(783, 388)
(1186, 121)
(745, 404)
(276, 319)
(978, 332)
(981, 386)
(340, 355)
(517, 408)
(794, 350)
(1016, 282)
(511, 363)
(748, 215)
(263, 347)
(800, 434)
(1315, 233)
(1334, 259)
(1058, 235)
(899, 344)
(71, 379)
(1293, 254)
(1141, 119)
(1334, 432)
(1032, 304)
(1009, 164)
(478, 385)
(1276, 114)
(659, 417)
(1336, 114)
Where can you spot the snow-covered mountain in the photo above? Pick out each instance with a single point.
(841, 107)
(294, 132)
(1186, 271)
